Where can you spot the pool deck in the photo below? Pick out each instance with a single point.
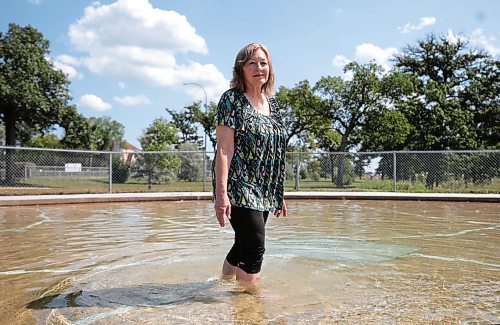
(190, 196)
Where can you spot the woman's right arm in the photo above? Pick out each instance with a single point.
(225, 151)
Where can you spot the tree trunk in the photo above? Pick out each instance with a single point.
(150, 177)
(339, 182)
(10, 140)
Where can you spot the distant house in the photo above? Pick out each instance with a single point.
(128, 153)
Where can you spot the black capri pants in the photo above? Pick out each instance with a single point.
(248, 249)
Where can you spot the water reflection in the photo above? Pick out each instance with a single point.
(329, 261)
(338, 250)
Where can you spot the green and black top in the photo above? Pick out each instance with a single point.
(257, 170)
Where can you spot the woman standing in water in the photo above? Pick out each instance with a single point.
(249, 161)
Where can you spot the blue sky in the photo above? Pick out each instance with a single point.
(129, 59)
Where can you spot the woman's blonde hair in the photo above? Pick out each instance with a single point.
(243, 56)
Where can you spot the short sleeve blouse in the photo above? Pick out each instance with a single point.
(257, 170)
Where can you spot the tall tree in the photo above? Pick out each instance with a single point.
(193, 115)
(33, 94)
(454, 95)
(103, 132)
(185, 122)
(191, 167)
(347, 104)
(302, 114)
(45, 141)
(483, 98)
(77, 131)
(446, 96)
(207, 120)
(159, 136)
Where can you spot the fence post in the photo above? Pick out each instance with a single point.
(297, 175)
(205, 166)
(110, 173)
(394, 171)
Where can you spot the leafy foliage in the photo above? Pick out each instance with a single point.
(191, 163)
(454, 95)
(159, 136)
(185, 123)
(120, 170)
(302, 114)
(34, 95)
(103, 132)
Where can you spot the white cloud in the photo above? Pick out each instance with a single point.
(132, 100)
(340, 61)
(67, 64)
(478, 38)
(424, 22)
(453, 38)
(68, 70)
(68, 59)
(35, 2)
(132, 39)
(367, 52)
(93, 102)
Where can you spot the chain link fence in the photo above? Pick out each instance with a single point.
(53, 171)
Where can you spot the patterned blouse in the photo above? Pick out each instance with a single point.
(257, 170)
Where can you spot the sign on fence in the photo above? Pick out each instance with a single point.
(71, 168)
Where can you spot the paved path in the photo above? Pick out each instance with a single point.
(183, 196)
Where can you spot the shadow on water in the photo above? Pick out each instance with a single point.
(141, 295)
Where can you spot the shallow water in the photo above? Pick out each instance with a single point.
(328, 262)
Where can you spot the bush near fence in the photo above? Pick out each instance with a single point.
(53, 171)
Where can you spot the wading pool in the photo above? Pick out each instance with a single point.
(329, 261)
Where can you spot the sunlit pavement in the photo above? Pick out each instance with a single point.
(184, 196)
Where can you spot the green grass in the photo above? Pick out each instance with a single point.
(36, 186)
(98, 185)
(380, 185)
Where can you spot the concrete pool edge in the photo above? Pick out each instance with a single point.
(196, 196)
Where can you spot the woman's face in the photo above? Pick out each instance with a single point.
(256, 69)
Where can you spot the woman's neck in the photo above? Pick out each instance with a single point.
(255, 92)
(258, 101)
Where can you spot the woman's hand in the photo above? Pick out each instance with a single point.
(283, 210)
(222, 208)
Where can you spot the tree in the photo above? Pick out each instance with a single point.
(185, 123)
(103, 131)
(45, 141)
(159, 136)
(206, 120)
(191, 163)
(455, 90)
(454, 101)
(302, 113)
(77, 131)
(347, 104)
(483, 98)
(120, 170)
(33, 94)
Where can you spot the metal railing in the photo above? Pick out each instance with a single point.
(53, 171)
